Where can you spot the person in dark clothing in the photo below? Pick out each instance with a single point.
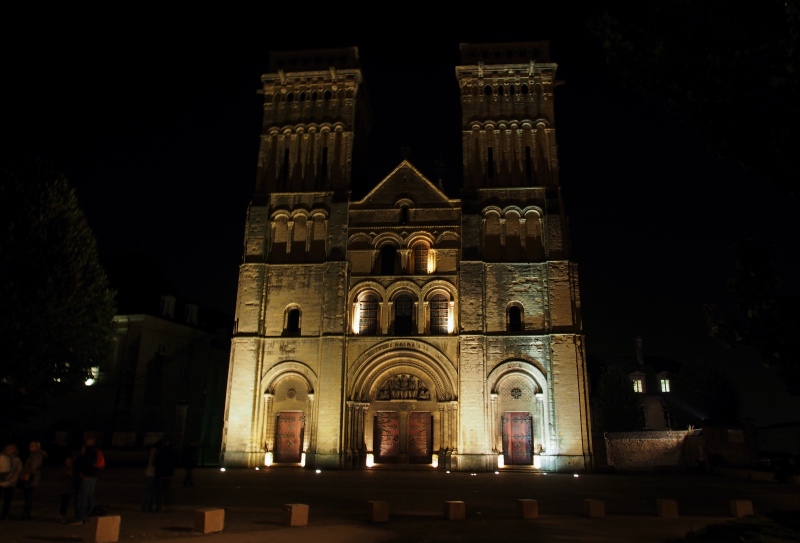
(87, 474)
(31, 475)
(165, 470)
(189, 461)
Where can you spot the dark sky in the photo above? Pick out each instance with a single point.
(156, 122)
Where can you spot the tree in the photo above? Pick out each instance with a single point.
(615, 405)
(763, 317)
(730, 71)
(702, 394)
(56, 304)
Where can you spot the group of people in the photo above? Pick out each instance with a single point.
(77, 477)
(14, 474)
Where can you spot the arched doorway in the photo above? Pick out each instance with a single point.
(519, 397)
(402, 400)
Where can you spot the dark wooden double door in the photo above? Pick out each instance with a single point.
(387, 436)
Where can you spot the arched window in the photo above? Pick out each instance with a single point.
(368, 315)
(403, 316)
(514, 319)
(292, 322)
(388, 259)
(420, 258)
(440, 309)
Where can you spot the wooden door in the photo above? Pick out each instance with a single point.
(289, 436)
(386, 436)
(517, 438)
(420, 434)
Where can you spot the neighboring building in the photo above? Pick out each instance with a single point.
(408, 327)
(165, 376)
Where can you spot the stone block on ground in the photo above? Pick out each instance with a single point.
(455, 510)
(528, 508)
(295, 514)
(103, 529)
(667, 508)
(207, 521)
(741, 508)
(594, 508)
(377, 511)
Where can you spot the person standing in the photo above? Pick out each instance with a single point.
(189, 461)
(87, 474)
(9, 483)
(31, 475)
(150, 486)
(68, 486)
(165, 470)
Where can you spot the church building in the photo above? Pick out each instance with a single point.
(407, 327)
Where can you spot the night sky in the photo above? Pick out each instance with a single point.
(156, 123)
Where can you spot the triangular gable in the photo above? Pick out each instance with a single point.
(405, 181)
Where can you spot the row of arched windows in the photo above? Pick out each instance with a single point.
(367, 314)
(403, 315)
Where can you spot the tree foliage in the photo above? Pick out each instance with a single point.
(730, 71)
(702, 394)
(616, 407)
(764, 317)
(56, 304)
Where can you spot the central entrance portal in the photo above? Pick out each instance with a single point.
(395, 440)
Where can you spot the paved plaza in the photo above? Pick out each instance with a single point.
(254, 500)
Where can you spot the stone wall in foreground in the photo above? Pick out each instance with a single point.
(635, 451)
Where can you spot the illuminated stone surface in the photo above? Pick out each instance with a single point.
(455, 315)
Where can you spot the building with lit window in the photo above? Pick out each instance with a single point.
(408, 327)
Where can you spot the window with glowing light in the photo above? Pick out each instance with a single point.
(368, 315)
(664, 385)
(420, 258)
(638, 386)
(439, 308)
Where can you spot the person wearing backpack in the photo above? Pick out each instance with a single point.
(87, 472)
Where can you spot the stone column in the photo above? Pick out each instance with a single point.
(268, 436)
(493, 423)
(310, 436)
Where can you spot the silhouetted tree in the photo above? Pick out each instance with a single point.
(616, 407)
(730, 71)
(764, 317)
(702, 394)
(56, 305)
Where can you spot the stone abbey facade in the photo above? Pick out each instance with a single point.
(408, 328)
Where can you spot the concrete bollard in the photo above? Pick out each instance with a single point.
(594, 508)
(377, 511)
(102, 529)
(295, 514)
(455, 510)
(207, 521)
(528, 508)
(741, 508)
(667, 508)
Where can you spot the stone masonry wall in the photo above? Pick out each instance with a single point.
(634, 451)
